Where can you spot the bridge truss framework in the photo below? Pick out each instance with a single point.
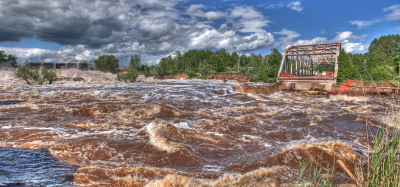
(308, 67)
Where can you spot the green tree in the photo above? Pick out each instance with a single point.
(7, 60)
(273, 63)
(48, 75)
(383, 57)
(384, 48)
(347, 69)
(164, 66)
(205, 69)
(262, 74)
(24, 73)
(380, 73)
(145, 69)
(106, 63)
(269, 67)
(135, 62)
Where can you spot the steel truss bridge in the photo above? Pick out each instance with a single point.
(308, 67)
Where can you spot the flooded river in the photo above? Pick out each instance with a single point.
(175, 133)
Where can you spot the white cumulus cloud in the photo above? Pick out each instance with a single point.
(213, 39)
(346, 38)
(248, 19)
(347, 35)
(289, 36)
(196, 10)
(295, 5)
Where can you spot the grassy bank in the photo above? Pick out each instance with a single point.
(381, 168)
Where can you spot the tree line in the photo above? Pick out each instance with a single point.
(205, 62)
(381, 62)
(199, 63)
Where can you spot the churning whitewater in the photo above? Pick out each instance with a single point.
(174, 132)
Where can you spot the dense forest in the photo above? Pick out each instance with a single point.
(205, 62)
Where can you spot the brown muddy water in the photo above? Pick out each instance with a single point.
(175, 133)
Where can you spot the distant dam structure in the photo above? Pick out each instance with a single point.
(82, 65)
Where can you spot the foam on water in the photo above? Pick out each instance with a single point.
(6, 127)
(212, 168)
(88, 76)
(347, 98)
(392, 119)
(267, 145)
(156, 129)
(182, 125)
(256, 178)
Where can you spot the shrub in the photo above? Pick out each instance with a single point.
(129, 76)
(34, 75)
(24, 73)
(48, 75)
(191, 73)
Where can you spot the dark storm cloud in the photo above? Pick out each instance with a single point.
(156, 28)
(151, 27)
(50, 20)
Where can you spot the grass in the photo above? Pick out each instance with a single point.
(315, 177)
(382, 169)
(239, 183)
(383, 166)
(397, 83)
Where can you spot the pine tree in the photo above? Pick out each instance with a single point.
(273, 63)
(262, 74)
(347, 69)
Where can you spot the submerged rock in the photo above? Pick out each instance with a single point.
(75, 79)
(257, 89)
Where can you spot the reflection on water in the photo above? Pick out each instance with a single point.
(10, 102)
(196, 132)
(33, 167)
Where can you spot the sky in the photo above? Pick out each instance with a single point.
(81, 30)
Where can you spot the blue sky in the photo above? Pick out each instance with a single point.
(74, 30)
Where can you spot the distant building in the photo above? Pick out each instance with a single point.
(82, 65)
